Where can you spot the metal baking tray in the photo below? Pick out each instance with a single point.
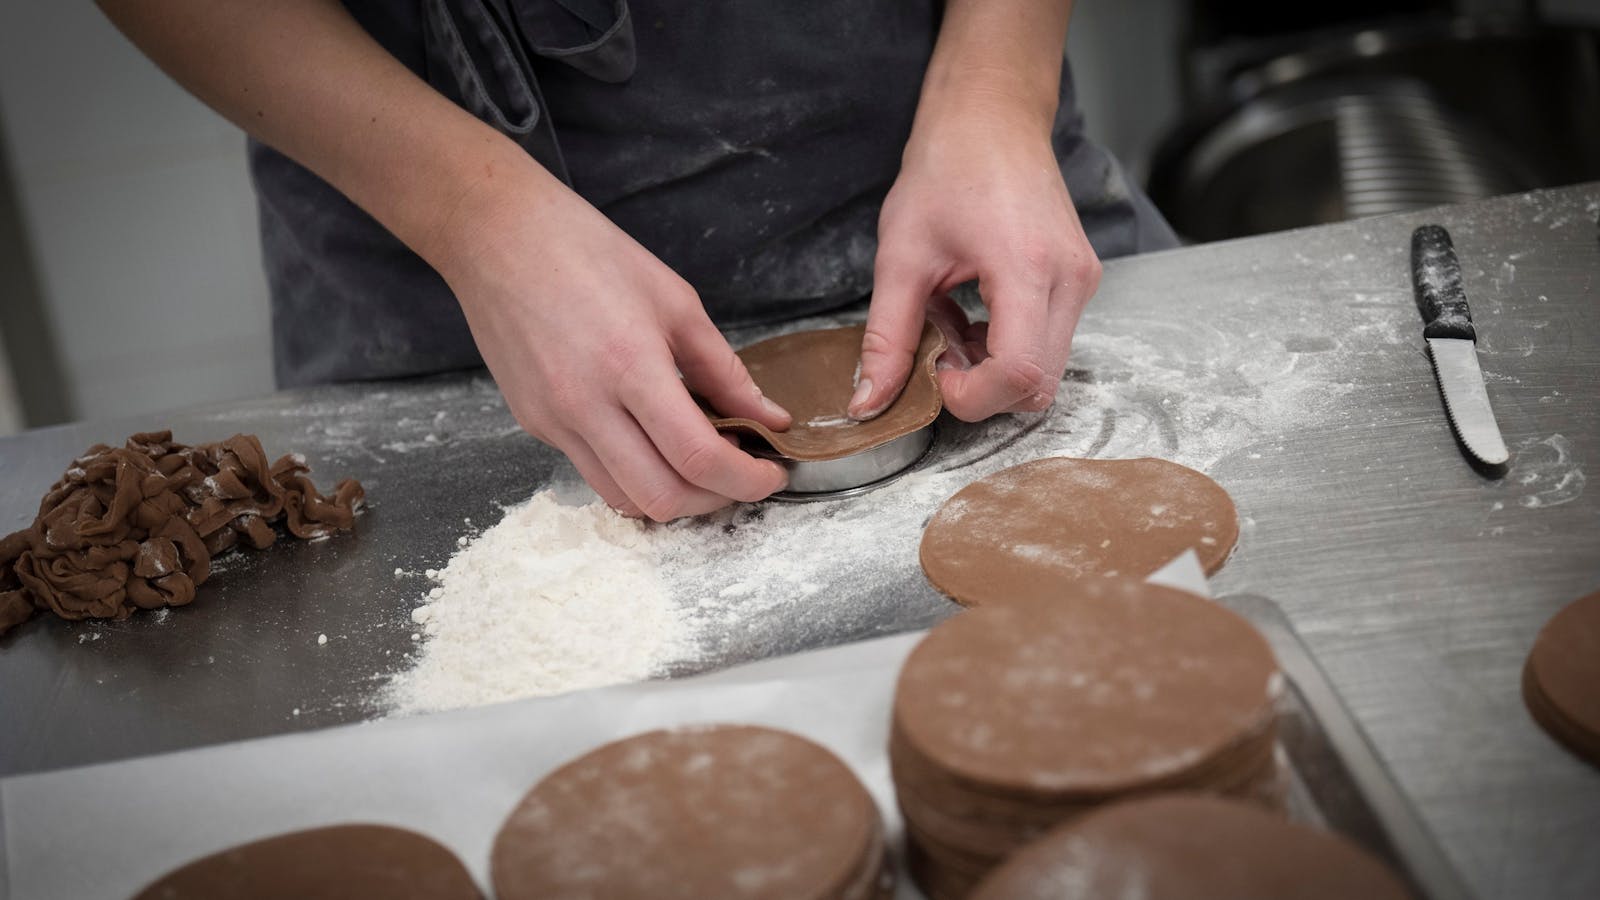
(1336, 779)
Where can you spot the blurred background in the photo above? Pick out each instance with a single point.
(130, 277)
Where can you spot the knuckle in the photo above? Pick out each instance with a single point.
(1023, 377)
(1086, 270)
(662, 503)
(732, 375)
(681, 299)
(876, 342)
(699, 459)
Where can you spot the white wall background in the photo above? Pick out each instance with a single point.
(139, 214)
(10, 407)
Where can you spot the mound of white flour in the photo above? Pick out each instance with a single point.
(553, 598)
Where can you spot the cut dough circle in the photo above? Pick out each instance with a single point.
(1190, 847)
(334, 863)
(728, 811)
(1026, 530)
(812, 373)
(1561, 681)
(1109, 686)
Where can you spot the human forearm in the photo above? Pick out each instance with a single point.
(1003, 56)
(303, 77)
(980, 196)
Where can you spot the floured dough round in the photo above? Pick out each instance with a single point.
(335, 863)
(1026, 530)
(720, 811)
(1561, 681)
(812, 375)
(1189, 847)
(1111, 685)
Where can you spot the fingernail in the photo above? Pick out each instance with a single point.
(953, 358)
(772, 408)
(858, 400)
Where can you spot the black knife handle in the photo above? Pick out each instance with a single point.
(1436, 276)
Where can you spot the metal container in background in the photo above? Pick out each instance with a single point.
(1383, 121)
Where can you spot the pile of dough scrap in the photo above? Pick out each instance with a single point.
(136, 526)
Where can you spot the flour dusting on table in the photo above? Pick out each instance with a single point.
(566, 595)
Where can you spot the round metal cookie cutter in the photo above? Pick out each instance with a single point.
(850, 476)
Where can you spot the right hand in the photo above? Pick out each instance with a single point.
(586, 331)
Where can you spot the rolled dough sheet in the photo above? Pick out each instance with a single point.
(812, 375)
(1026, 530)
(339, 862)
(1189, 847)
(1561, 681)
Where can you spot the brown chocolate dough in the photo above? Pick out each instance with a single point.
(135, 527)
(341, 862)
(1013, 718)
(1112, 684)
(812, 373)
(1026, 530)
(1190, 847)
(1561, 680)
(717, 811)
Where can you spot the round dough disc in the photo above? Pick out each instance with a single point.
(334, 863)
(1111, 685)
(1027, 529)
(722, 811)
(812, 375)
(1189, 847)
(1561, 682)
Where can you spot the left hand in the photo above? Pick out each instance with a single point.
(979, 195)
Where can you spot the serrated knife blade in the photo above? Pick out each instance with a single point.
(1453, 345)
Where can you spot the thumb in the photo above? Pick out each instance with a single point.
(894, 326)
(711, 369)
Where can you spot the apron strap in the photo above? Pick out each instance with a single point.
(542, 144)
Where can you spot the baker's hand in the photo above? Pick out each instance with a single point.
(979, 195)
(585, 332)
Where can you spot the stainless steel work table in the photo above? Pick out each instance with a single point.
(1418, 583)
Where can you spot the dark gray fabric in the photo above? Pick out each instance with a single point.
(748, 145)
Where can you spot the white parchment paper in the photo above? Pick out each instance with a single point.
(103, 832)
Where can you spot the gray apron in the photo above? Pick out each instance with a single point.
(748, 145)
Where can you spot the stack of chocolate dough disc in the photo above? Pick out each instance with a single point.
(1190, 847)
(1013, 718)
(728, 811)
(1561, 681)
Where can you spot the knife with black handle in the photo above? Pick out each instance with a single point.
(1452, 345)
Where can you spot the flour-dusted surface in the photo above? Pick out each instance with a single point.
(757, 580)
